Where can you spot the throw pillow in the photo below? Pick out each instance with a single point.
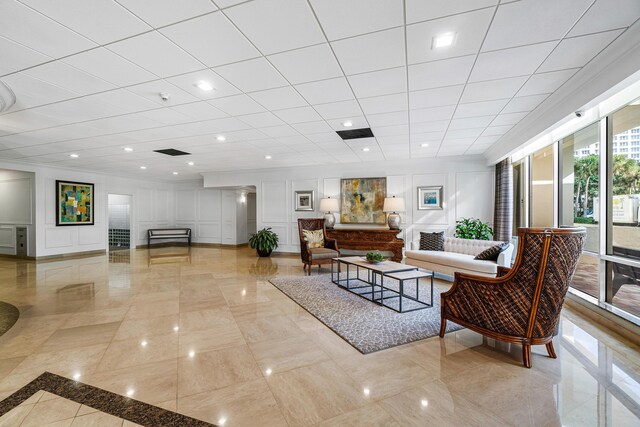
(314, 238)
(492, 253)
(432, 241)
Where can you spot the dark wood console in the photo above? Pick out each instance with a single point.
(369, 239)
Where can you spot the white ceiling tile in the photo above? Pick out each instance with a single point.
(429, 137)
(229, 124)
(463, 133)
(237, 105)
(69, 78)
(199, 111)
(31, 92)
(470, 122)
(508, 119)
(280, 98)
(487, 139)
(371, 52)
(18, 22)
(377, 83)
(341, 19)
(164, 12)
(152, 90)
(420, 10)
(255, 74)
(17, 57)
(577, 51)
(358, 122)
(546, 82)
(157, 54)
(390, 130)
(279, 131)
(446, 72)
(212, 39)
(528, 22)
(277, 25)
(426, 127)
(308, 64)
(457, 142)
(519, 61)
(393, 140)
(298, 115)
(325, 138)
(496, 130)
(492, 89)
(165, 116)
(108, 66)
(477, 109)
(607, 15)
(435, 97)
(384, 103)
(124, 100)
(99, 20)
(388, 119)
(187, 82)
(336, 110)
(261, 119)
(431, 114)
(312, 127)
(524, 103)
(469, 28)
(331, 90)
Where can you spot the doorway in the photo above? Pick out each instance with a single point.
(119, 207)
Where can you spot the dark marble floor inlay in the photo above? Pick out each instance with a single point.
(102, 400)
(8, 316)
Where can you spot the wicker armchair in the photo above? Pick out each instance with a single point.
(522, 304)
(316, 256)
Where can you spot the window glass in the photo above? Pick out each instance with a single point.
(542, 188)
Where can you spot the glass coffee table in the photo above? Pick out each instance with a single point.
(390, 284)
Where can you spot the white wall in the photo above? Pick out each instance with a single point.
(468, 191)
(17, 207)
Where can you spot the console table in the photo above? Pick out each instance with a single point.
(369, 239)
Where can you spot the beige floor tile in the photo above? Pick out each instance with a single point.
(96, 317)
(368, 416)
(205, 319)
(80, 336)
(50, 411)
(97, 419)
(269, 328)
(132, 352)
(214, 338)
(251, 312)
(143, 310)
(15, 416)
(276, 356)
(147, 327)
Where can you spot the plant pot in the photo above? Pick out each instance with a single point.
(263, 253)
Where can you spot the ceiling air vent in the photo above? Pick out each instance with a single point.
(172, 152)
(355, 133)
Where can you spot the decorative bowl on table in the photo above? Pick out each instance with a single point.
(374, 258)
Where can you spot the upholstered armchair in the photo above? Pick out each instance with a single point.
(315, 256)
(522, 304)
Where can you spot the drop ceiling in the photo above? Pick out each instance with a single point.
(286, 75)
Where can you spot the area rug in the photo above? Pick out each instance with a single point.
(8, 316)
(366, 326)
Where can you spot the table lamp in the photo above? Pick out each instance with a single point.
(329, 206)
(394, 205)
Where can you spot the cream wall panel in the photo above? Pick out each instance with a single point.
(186, 207)
(274, 201)
(59, 237)
(143, 204)
(15, 201)
(88, 235)
(474, 195)
(7, 237)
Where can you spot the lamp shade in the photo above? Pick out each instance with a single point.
(329, 205)
(393, 204)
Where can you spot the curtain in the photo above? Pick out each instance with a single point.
(503, 210)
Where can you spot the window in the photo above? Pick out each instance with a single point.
(542, 187)
(520, 195)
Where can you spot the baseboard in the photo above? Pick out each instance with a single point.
(73, 255)
(194, 244)
(10, 256)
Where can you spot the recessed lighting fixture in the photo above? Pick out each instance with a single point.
(347, 124)
(128, 149)
(221, 138)
(366, 149)
(143, 167)
(74, 156)
(443, 40)
(175, 173)
(190, 163)
(204, 85)
(268, 157)
(424, 145)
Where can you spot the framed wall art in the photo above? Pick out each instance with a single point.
(430, 197)
(304, 200)
(74, 203)
(362, 200)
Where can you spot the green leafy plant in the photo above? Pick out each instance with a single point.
(582, 220)
(264, 241)
(471, 228)
(374, 257)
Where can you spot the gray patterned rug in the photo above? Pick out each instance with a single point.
(366, 326)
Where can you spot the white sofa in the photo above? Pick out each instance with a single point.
(458, 255)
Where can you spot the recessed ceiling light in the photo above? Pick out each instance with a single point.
(221, 138)
(143, 167)
(443, 40)
(366, 149)
(268, 157)
(204, 85)
(347, 124)
(424, 145)
(128, 149)
(191, 163)
(175, 173)
(74, 156)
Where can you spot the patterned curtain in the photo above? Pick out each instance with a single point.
(503, 211)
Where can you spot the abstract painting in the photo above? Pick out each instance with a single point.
(430, 197)
(74, 203)
(362, 200)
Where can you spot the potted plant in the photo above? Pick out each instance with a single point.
(264, 242)
(471, 228)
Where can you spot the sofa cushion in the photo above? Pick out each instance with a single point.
(322, 253)
(453, 259)
(432, 241)
(314, 238)
(493, 252)
(466, 246)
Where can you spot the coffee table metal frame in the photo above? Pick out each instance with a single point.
(371, 282)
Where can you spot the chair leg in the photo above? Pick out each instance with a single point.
(526, 355)
(443, 327)
(551, 350)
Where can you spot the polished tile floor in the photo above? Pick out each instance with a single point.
(203, 333)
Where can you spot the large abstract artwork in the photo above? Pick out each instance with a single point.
(74, 203)
(362, 200)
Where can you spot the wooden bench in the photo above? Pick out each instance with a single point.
(168, 233)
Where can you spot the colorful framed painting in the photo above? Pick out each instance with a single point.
(430, 197)
(74, 203)
(362, 200)
(304, 200)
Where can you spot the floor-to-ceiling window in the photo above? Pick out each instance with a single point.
(542, 188)
(520, 195)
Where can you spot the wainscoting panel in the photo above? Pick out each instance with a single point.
(274, 201)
